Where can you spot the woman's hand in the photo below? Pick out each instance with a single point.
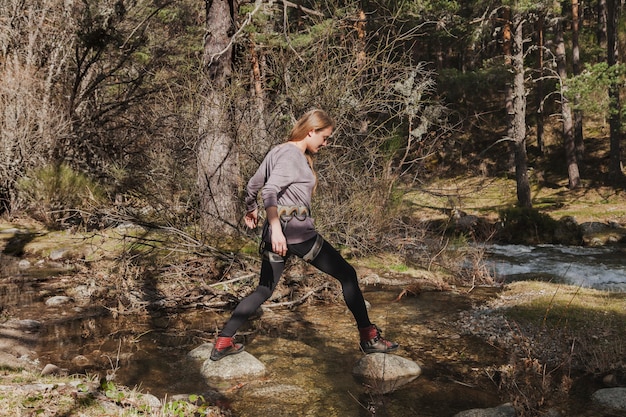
(252, 218)
(279, 242)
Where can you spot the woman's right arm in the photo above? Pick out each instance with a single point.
(256, 182)
(252, 218)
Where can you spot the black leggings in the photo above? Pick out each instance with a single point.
(328, 260)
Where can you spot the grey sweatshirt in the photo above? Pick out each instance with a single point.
(284, 178)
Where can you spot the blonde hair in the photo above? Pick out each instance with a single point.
(315, 119)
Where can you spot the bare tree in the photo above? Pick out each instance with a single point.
(601, 33)
(509, 95)
(519, 113)
(515, 100)
(615, 161)
(576, 69)
(540, 24)
(566, 111)
(386, 121)
(218, 171)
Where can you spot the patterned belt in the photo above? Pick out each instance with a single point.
(299, 212)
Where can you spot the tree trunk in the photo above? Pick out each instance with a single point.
(566, 111)
(601, 32)
(251, 126)
(540, 46)
(519, 114)
(576, 69)
(218, 170)
(360, 26)
(507, 41)
(615, 162)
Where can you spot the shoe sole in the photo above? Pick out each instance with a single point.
(217, 355)
(368, 351)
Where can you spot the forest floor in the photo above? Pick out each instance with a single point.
(486, 196)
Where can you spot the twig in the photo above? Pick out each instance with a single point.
(143, 22)
(230, 281)
(304, 9)
(299, 300)
(257, 7)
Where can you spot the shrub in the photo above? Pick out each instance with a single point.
(59, 196)
(526, 225)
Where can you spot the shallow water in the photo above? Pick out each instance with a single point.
(309, 352)
(318, 351)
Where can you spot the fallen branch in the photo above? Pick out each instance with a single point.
(375, 279)
(230, 281)
(299, 300)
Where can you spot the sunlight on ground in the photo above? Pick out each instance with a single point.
(482, 196)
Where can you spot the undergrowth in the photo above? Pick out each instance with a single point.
(557, 336)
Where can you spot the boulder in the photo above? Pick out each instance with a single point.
(600, 234)
(58, 254)
(385, 373)
(51, 369)
(25, 325)
(240, 366)
(613, 398)
(202, 352)
(568, 232)
(58, 300)
(24, 264)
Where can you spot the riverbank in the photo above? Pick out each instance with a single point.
(540, 327)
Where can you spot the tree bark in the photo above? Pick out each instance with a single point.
(540, 98)
(218, 170)
(519, 114)
(251, 129)
(615, 162)
(576, 69)
(566, 111)
(601, 32)
(360, 26)
(507, 42)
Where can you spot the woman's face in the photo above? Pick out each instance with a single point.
(316, 140)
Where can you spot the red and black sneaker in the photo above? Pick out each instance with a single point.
(372, 341)
(225, 346)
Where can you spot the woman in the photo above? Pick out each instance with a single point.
(286, 181)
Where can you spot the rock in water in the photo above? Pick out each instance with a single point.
(384, 373)
(240, 366)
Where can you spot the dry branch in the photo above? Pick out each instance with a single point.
(299, 300)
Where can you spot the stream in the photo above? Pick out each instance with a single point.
(602, 268)
(310, 350)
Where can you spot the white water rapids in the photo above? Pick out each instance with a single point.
(601, 268)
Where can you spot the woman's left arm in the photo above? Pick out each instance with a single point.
(279, 242)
